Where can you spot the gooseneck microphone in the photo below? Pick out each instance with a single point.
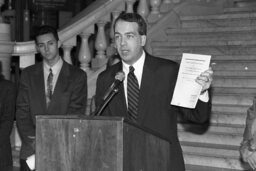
(111, 91)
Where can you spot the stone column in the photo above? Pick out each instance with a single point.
(6, 47)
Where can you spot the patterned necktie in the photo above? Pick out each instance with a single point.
(132, 95)
(49, 87)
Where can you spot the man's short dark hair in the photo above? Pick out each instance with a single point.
(45, 29)
(133, 17)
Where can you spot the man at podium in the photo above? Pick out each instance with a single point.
(147, 85)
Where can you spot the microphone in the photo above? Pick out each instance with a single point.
(111, 91)
(118, 80)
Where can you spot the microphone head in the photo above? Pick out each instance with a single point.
(120, 76)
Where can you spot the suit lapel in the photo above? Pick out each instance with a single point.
(147, 86)
(38, 82)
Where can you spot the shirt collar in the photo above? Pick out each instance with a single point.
(55, 68)
(138, 65)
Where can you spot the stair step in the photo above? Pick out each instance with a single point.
(234, 120)
(219, 17)
(163, 50)
(234, 82)
(219, 20)
(230, 108)
(191, 167)
(213, 127)
(231, 90)
(211, 152)
(198, 36)
(228, 119)
(234, 65)
(232, 99)
(215, 163)
(239, 10)
(214, 58)
(233, 73)
(199, 31)
(218, 140)
(244, 3)
(212, 43)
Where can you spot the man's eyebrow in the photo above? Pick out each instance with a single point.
(126, 33)
(130, 33)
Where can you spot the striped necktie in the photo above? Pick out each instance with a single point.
(132, 95)
(49, 87)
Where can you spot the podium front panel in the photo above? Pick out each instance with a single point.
(78, 145)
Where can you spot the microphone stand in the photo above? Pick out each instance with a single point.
(106, 101)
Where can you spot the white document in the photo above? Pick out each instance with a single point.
(187, 90)
(31, 160)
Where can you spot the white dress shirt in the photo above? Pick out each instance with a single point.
(55, 70)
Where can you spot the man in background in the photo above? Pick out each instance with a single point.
(7, 112)
(51, 87)
(248, 144)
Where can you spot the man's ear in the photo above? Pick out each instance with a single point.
(37, 48)
(59, 44)
(143, 40)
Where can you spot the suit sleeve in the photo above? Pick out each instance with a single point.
(25, 124)
(78, 101)
(200, 114)
(8, 111)
(100, 91)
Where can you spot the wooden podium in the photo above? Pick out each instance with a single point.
(79, 143)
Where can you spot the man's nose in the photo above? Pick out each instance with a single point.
(123, 41)
(46, 48)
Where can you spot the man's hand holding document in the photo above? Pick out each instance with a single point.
(194, 78)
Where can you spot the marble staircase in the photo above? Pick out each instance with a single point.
(230, 39)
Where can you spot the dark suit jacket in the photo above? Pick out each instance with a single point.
(155, 112)
(69, 97)
(7, 111)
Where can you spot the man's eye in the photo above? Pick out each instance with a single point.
(117, 37)
(130, 36)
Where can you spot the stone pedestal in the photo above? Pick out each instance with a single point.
(6, 48)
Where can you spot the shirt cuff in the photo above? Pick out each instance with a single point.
(204, 96)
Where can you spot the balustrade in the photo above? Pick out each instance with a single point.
(143, 9)
(155, 11)
(85, 56)
(166, 5)
(67, 47)
(100, 46)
